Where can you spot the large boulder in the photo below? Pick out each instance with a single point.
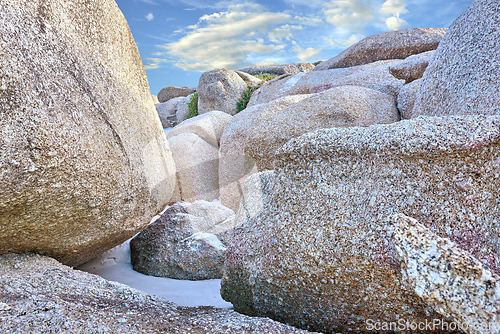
(197, 165)
(39, 295)
(413, 67)
(182, 243)
(375, 76)
(279, 69)
(209, 126)
(462, 77)
(322, 243)
(84, 162)
(388, 45)
(448, 278)
(172, 92)
(343, 106)
(220, 90)
(234, 165)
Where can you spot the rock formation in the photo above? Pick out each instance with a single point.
(389, 45)
(462, 76)
(84, 162)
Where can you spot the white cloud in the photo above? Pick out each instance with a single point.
(154, 63)
(150, 17)
(239, 36)
(350, 15)
(355, 15)
(284, 32)
(395, 23)
(345, 42)
(393, 7)
(306, 54)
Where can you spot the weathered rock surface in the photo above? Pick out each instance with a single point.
(375, 76)
(155, 99)
(209, 127)
(219, 90)
(279, 69)
(39, 295)
(84, 162)
(197, 165)
(234, 165)
(388, 45)
(169, 93)
(448, 278)
(167, 112)
(254, 196)
(413, 67)
(406, 98)
(321, 244)
(462, 77)
(343, 106)
(249, 79)
(182, 244)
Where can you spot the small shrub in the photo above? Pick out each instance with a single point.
(265, 76)
(193, 106)
(245, 97)
(247, 93)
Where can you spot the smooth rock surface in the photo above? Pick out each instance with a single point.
(388, 45)
(462, 77)
(321, 243)
(446, 277)
(374, 76)
(169, 93)
(39, 295)
(182, 244)
(84, 162)
(208, 126)
(413, 67)
(197, 165)
(234, 165)
(406, 98)
(219, 90)
(343, 106)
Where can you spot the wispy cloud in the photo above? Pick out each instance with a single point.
(154, 63)
(307, 53)
(150, 17)
(246, 33)
(236, 37)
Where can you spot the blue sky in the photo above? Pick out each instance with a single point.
(179, 40)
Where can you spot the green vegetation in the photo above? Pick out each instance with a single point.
(265, 76)
(193, 106)
(245, 97)
(247, 94)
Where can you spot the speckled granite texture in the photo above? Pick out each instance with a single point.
(462, 78)
(84, 162)
(39, 295)
(389, 45)
(323, 261)
(446, 277)
(413, 67)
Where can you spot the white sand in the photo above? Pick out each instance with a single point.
(114, 265)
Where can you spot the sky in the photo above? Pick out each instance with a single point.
(179, 40)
